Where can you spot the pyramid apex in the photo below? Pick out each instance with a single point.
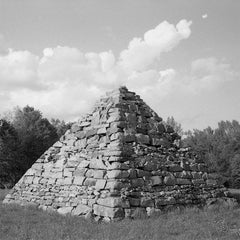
(123, 88)
(121, 91)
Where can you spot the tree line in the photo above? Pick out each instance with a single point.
(219, 148)
(25, 135)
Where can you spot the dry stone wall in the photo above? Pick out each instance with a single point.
(116, 162)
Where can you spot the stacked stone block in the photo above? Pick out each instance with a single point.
(116, 161)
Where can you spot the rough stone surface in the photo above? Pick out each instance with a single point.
(82, 209)
(119, 161)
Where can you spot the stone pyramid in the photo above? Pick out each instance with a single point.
(117, 161)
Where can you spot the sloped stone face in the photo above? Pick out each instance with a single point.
(117, 160)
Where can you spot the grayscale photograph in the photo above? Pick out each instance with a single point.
(119, 120)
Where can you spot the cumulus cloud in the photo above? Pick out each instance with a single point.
(141, 53)
(64, 82)
(209, 72)
(19, 69)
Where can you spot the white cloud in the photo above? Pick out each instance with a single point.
(62, 83)
(107, 61)
(204, 16)
(19, 69)
(65, 82)
(141, 53)
(208, 73)
(64, 79)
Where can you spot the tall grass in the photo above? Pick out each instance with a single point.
(24, 223)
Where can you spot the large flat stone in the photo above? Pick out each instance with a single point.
(89, 182)
(113, 202)
(81, 143)
(99, 174)
(68, 181)
(80, 172)
(81, 134)
(84, 164)
(81, 209)
(102, 131)
(117, 174)
(108, 211)
(78, 180)
(156, 180)
(97, 164)
(65, 210)
(100, 184)
(143, 139)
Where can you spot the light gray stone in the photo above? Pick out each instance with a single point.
(81, 210)
(78, 180)
(102, 131)
(84, 164)
(80, 172)
(117, 174)
(89, 182)
(113, 202)
(84, 124)
(99, 174)
(100, 184)
(97, 164)
(108, 211)
(156, 180)
(65, 210)
(58, 144)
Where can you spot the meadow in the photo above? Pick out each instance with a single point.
(28, 223)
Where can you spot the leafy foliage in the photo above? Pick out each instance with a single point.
(177, 127)
(36, 133)
(9, 150)
(23, 139)
(220, 148)
(60, 126)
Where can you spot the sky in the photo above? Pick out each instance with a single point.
(180, 56)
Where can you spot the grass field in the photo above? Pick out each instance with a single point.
(23, 223)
